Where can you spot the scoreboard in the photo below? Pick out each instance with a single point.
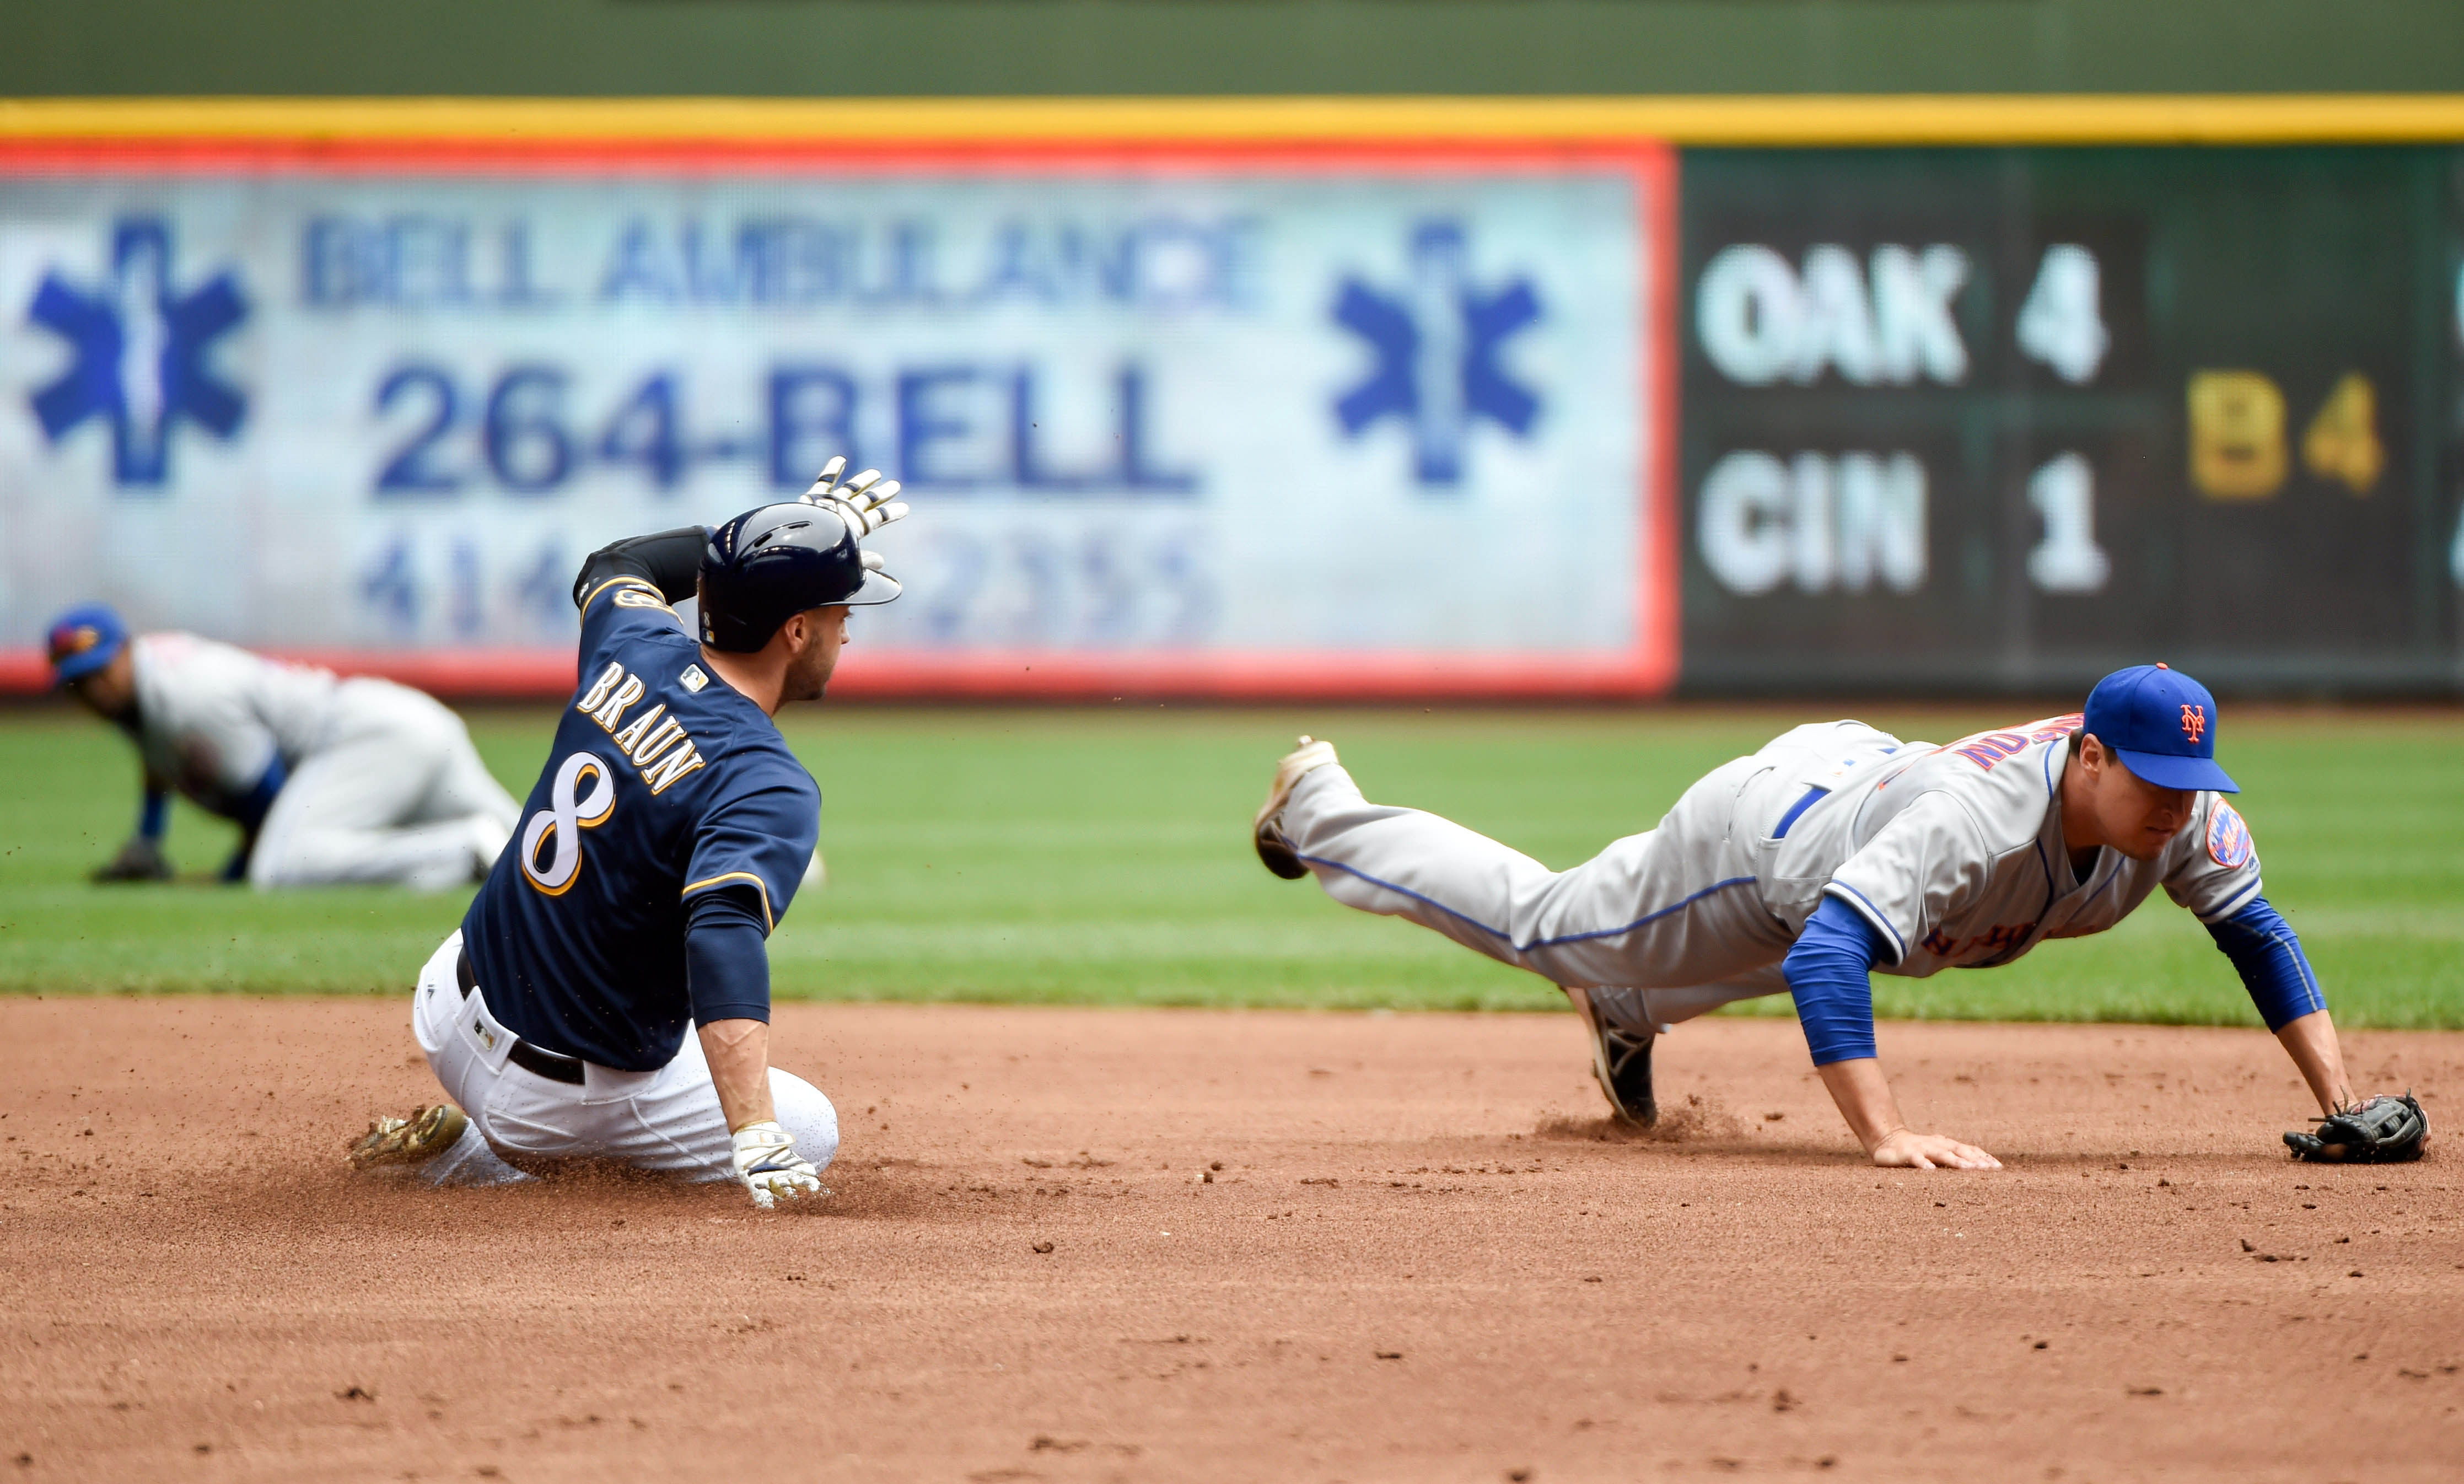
(1961, 419)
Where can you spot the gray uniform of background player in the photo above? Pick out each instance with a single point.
(383, 782)
(1953, 854)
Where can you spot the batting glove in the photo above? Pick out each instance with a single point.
(867, 503)
(766, 1160)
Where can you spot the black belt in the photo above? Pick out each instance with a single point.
(555, 1066)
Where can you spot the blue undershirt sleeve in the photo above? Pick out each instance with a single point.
(154, 817)
(251, 811)
(250, 814)
(727, 960)
(2270, 961)
(1827, 973)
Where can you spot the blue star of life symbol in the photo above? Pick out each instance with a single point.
(141, 352)
(1436, 344)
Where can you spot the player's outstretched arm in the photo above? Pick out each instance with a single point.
(2267, 954)
(1828, 973)
(2351, 1129)
(1864, 1098)
(2310, 1040)
(728, 974)
(141, 858)
(738, 1053)
(766, 1160)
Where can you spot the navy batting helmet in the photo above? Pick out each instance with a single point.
(770, 564)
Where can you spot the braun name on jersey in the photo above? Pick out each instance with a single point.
(654, 741)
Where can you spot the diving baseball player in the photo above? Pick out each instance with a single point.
(661, 845)
(1834, 851)
(330, 781)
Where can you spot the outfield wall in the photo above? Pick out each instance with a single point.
(892, 49)
(1566, 398)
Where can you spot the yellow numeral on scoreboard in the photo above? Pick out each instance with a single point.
(2236, 435)
(2343, 441)
(2237, 443)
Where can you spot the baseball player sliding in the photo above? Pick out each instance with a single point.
(330, 781)
(1837, 850)
(661, 845)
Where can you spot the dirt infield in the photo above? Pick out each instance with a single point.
(1416, 1257)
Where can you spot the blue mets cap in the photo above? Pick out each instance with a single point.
(83, 639)
(2161, 724)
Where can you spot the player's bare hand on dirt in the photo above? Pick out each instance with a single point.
(766, 1160)
(865, 502)
(141, 860)
(1907, 1149)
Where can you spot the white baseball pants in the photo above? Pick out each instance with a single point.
(395, 795)
(666, 1121)
(1661, 926)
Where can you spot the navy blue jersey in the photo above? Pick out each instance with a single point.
(665, 784)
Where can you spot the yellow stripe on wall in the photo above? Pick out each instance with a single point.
(1793, 120)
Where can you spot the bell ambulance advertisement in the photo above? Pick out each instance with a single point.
(1260, 421)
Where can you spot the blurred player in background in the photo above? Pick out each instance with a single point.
(330, 781)
(1834, 852)
(608, 996)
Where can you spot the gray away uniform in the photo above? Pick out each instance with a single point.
(383, 782)
(1953, 854)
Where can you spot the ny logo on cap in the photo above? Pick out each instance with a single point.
(2194, 722)
(67, 641)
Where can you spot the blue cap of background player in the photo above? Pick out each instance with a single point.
(2161, 724)
(83, 639)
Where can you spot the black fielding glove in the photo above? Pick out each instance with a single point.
(2381, 1130)
(141, 860)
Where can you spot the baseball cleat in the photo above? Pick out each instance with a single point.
(1621, 1062)
(412, 1141)
(1273, 848)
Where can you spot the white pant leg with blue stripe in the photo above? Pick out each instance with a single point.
(1673, 912)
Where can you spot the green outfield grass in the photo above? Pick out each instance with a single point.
(1101, 856)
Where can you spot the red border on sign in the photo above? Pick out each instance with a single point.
(1648, 669)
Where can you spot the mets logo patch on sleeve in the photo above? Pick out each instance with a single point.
(2228, 837)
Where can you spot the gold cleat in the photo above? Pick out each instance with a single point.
(1274, 849)
(412, 1141)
